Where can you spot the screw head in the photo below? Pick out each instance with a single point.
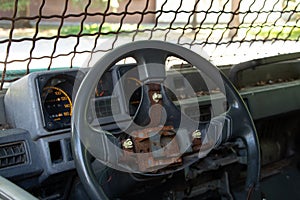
(196, 134)
(128, 144)
(156, 97)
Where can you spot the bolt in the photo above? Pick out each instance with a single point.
(156, 97)
(196, 134)
(128, 144)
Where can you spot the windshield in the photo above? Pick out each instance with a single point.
(44, 35)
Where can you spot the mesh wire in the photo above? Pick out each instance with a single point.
(229, 31)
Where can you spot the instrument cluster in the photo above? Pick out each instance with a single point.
(117, 96)
(57, 92)
(56, 100)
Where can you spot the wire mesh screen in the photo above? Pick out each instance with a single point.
(40, 34)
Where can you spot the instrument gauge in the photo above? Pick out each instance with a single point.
(132, 87)
(57, 105)
(104, 87)
(56, 101)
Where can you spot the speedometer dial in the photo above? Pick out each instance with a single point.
(57, 106)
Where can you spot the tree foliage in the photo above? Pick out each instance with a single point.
(7, 5)
(114, 4)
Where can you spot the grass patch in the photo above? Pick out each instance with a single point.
(287, 32)
(94, 28)
(276, 32)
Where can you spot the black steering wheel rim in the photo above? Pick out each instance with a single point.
(246, 129)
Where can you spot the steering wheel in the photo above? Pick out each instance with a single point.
(151, 57)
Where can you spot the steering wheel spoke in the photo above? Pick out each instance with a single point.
(151, 65)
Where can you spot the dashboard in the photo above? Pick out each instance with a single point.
(39, 110)
(56, 93)
(117, 96)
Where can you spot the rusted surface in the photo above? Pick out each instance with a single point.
(196, 144)
(144, 133)
(156, 147)
(143, 142)
(148, 163)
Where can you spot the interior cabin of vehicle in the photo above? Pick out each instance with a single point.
(142, 99)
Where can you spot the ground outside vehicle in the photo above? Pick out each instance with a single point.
(120, 100)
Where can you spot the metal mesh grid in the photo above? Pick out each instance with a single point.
(229, 31)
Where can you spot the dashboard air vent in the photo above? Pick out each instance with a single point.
(12, 154)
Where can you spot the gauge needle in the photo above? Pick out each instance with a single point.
(101, 93)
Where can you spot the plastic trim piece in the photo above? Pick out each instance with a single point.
(235, 69)
(10, 191)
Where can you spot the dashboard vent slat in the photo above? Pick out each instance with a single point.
(12, 154)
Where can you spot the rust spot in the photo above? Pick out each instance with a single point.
(156, 147)
(197, 143)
